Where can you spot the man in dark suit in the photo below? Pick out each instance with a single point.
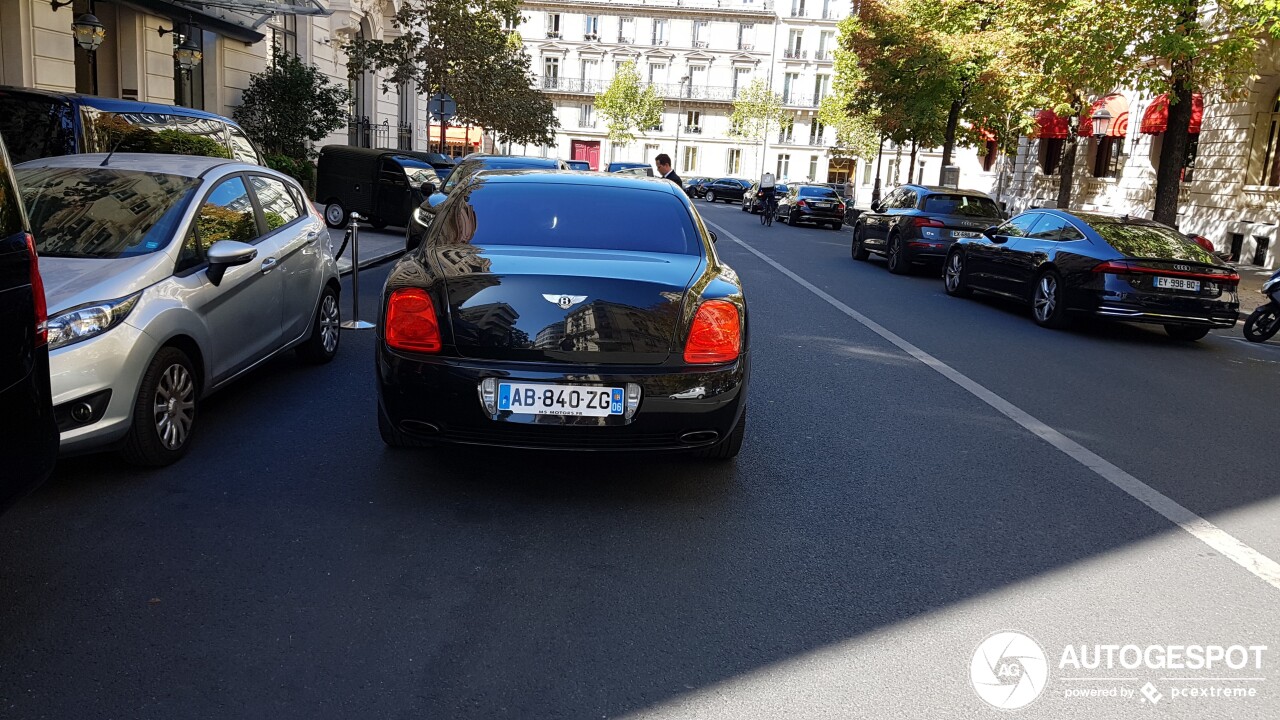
(663, 161)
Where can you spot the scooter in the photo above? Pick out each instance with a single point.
(1264, 322)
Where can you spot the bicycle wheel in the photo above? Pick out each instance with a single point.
(764, 215)
(770, 213)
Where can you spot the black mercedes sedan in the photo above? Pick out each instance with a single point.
(726, 189)
(524, 321)
(817, 204)
(1122, 268)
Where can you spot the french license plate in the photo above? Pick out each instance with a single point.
(1178, 284)
(965, 233)
(542, 399)
(822, 205)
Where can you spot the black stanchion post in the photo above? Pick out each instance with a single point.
(355, 323)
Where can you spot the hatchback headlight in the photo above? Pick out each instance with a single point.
(88, 321)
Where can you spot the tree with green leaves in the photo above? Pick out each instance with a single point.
(460, 47)
(627, 107)
(754, 110)
(291, 105)
(1185, 48)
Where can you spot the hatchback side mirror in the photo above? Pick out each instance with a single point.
(226, 254)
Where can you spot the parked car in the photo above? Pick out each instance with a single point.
(30, 433)
(167, 277)
(382, 185)
(578, 164)
(693, 186)
(751, 204)
(726, 189)
(1121, 268)
(462, 174)
(817, 204)
(520, 324)
(916, 224)
(39, 123)
(632, 168)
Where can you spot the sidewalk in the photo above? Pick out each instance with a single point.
(374, 247)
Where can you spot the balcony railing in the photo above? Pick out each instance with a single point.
(553, 34)
(591, 37)
(700, 43)
(666, 90)
(824, 55)
(659, 42)
(795, 54)
(624, 40)
(748, 47)
(798, 100)
(797, 12)
(735, 6)
(830, 15)
(695, 129)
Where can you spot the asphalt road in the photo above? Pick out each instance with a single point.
(882, 520)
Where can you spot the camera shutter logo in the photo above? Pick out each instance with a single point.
(1009, 670)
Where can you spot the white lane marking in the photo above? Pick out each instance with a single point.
(1206, 532)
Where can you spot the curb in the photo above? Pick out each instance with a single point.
(365, 264)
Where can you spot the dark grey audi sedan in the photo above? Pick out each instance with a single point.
(916, 224)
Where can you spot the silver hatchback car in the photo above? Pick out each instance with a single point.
(167, 277)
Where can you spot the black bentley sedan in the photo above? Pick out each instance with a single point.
(1123, 268)
(523, 321)
(916, 224)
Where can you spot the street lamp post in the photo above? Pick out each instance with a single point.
(679, 117)
(89, 32)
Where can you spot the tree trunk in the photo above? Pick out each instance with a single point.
(911, 173)
(949, 142)
(897, 164)
(1067, 168)
(1173, 150)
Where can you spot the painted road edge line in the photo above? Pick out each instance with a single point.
(1206, 532)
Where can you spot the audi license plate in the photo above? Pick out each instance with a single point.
(965, 234)
(541, 399)
(1178, 284)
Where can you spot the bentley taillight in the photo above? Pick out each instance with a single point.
(412, 323)
(716, 334)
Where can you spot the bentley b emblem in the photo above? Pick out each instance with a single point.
(564, 301)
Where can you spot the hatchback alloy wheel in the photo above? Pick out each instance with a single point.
(174, 406)
(329, 323)
(954, 275)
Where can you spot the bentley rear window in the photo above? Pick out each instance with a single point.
(549, 214)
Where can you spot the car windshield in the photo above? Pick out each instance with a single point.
(102, 212)
(966, 205)
(35, 127)
(569, 216)
(818, 192)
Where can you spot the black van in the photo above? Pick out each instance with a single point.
(37, 123)
(29, 433)
(382, 185)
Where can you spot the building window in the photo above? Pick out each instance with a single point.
(1108, 157)
(1271, 155)
(866, 172)
(786, 133)
(586, 116)
(789, 82)
(741, 78)
(700, 33)
(795, 44)
(697, 78)
(282, 30)
(510, 24)
(591, 76)
(797, 8)
(813, 167)
(784, 167)
(733, 163)
(690, 159)
(660, 32)
(746, 33)
(1051, 155)
(826, 41)
(816, 131)
(658, 73)
(551, 67)
(693, 121)
(553, 25)
(1193, 147)
(591, 27)
(821, 84)
(627, 30)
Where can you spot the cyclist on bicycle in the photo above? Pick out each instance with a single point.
(768, 193)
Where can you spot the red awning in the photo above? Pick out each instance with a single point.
(457, 135)
(1051, 126)
(1156, 119)
(1118, 106)
(986, 135)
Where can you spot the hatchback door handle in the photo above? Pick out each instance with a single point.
(268, 265)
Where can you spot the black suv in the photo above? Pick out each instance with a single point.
(916, 224)
(29, 431)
